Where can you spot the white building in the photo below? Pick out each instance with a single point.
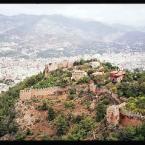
(78, 74)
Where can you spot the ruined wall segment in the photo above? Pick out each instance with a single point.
(29, 93)
(129, 121)
(117, 115)
(128, 118)
(54, 66)
(113, 115)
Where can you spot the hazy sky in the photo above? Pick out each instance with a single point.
(129, 14)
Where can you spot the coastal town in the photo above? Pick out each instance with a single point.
(14, 70)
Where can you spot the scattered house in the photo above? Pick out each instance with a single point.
(95, 64)
(97, 73)
(78, 74)
(117, 76)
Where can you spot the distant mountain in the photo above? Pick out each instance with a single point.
(124, 28)
(132, 37)
(57, 35)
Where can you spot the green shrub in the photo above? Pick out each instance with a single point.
(20, 136)
(72, 91)
(51, 114)
(87, 123)
(61, 124)
(82, 129)
(42, 107)
(77, 133)
(77, 119)
(81, 93)
(100, 111)
(69, 104)
(84, 80)
(132, 133)
(29, 132)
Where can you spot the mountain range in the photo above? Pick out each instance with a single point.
(57, 35)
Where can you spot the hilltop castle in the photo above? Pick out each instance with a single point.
(53, 66)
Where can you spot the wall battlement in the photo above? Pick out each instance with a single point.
(131, 114)
(117, 115)
(54, 66)
(28, 93)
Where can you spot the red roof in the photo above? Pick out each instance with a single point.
(117, 73)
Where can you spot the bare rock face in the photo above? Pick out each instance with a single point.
(26, 115)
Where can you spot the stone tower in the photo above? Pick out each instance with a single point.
(46, 71)
(113, 115)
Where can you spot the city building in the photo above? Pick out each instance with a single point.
(116, 76)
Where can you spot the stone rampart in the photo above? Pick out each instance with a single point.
(118, 115)
(28, 93)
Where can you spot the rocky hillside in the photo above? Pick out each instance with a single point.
(73, 109)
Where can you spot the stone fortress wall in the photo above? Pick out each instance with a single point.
(28, 93)
(53, 66)
(130, 118)
(116, 115)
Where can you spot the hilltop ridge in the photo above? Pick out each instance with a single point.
(69, 102)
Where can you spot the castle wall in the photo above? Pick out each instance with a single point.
(117, 115)
(27, 94)
(129, 121)
(113, 116)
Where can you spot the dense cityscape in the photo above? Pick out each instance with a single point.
(13, 71)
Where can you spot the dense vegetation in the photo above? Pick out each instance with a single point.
(133, 85)
(7, 101)
(136, 104)
(101, 109)
(56, 78)
(129, 134)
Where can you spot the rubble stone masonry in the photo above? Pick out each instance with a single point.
(116, 115)
(28, 93)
